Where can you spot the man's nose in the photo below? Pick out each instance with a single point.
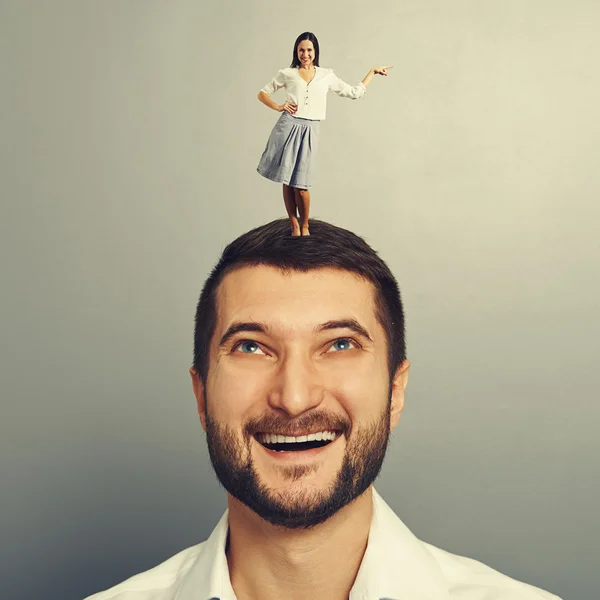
(298, 386)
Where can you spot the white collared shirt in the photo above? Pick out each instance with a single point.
(395, 566)
(311, 97)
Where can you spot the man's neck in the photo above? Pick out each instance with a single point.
(270, 563)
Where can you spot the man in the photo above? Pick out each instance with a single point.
(299, 374)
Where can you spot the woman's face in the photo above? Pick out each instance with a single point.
(306, 53)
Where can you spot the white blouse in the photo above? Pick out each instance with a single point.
(311, 97)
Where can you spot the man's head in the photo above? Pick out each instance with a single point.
(299, 369)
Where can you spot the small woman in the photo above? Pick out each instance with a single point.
(290, 152)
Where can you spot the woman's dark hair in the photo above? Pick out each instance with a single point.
(311, 37)
(328, 246)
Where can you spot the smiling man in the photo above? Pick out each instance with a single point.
(299, 373)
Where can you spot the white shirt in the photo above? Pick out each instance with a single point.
(311, 97)
(395, 566)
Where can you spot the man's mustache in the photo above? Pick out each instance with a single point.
(313, 421)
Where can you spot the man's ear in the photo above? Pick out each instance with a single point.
(198, 386)
(399, 384)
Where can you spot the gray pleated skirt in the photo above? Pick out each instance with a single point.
(290, 152)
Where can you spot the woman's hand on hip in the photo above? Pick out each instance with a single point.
(288, 107)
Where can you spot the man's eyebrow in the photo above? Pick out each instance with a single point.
(256, 327)
(241, 326)
(351, 324)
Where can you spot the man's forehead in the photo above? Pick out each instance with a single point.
(262, 292)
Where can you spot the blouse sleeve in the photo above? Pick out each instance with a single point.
(276, 83)
(345, 90)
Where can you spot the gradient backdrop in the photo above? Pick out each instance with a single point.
(130, 134)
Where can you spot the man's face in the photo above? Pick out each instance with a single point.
(298, 404)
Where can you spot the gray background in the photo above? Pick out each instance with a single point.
(130, 137)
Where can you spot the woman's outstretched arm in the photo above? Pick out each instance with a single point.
(375, 71)
(345, 90)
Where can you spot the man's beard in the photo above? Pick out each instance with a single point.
(233, 464)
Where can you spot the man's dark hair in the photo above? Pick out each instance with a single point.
(311, 37)
(328, 246)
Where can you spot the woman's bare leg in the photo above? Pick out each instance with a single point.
(289, 198)
(303, 204)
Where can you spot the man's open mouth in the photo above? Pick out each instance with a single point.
(288, 443)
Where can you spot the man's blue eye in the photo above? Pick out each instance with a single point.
(249, 347)
(342, 344)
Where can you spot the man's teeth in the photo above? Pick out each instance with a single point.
(274, 438)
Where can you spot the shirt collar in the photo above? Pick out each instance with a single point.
(208, 578)
(396, 565)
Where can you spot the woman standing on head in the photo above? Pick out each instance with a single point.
(289, 155)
